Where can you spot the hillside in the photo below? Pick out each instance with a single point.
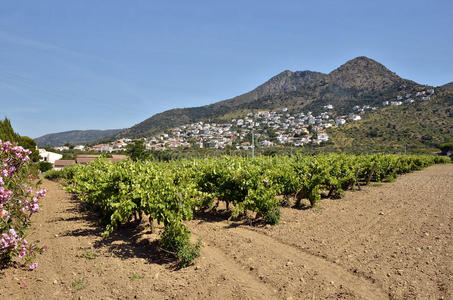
(420, 127)
(360, 81)
(75, 137)
(448, 86)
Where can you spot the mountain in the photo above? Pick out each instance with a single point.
(418, 127)
(282, 83)
(448, 86)
(359, 81)
(75, 137)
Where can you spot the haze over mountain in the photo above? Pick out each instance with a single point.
(74, 137)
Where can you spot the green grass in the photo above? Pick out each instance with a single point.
(79, 284)
(90, 255)
(135, 277)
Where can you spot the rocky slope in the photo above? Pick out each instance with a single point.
(359, 81)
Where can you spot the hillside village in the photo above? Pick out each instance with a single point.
(263, 128)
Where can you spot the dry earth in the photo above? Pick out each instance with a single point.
(392, 241)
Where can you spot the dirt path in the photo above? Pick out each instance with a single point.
(393, 241)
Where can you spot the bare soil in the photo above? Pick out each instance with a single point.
(388, 241)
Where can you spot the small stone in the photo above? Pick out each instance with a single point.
(252, 268)
(381, 213)
(56, 235)
(399, 272)
(289, 263)
(39, 279)
(55, 281)
(332, 283)
(426, 234)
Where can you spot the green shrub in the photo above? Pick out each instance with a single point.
(44, 166)
(272, 216)
(53, 174)
(176, 240)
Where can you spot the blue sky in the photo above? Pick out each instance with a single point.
(110, 64)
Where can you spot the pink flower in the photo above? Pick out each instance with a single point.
(41, 192)
(33, 266)
(22, 252)
(34, 208)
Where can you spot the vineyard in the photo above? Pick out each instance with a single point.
(171, 192)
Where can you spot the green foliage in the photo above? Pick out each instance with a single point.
(79, 284)
(44, 166)
(7, 134)
(170, 192)
(66, 173)
(176, 240)
(137, 151)
(414, 128)
(446, 147)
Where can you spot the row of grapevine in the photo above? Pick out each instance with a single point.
(170, 192)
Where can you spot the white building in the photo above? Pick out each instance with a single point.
(323, 137)
(339, 122)
(49, 156)
(354, 117)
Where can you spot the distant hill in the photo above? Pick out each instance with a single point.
(75, 137)
(418, 127)
(359, 81)
(448, 86)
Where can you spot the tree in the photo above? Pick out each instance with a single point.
(446, 147)
(30, 144)
(44, 166)
(137, 151)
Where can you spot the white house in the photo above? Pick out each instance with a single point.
(339, 122)
(49, 156)
(354, 117)
(323, 137)
(79, 147)
(409, 101)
